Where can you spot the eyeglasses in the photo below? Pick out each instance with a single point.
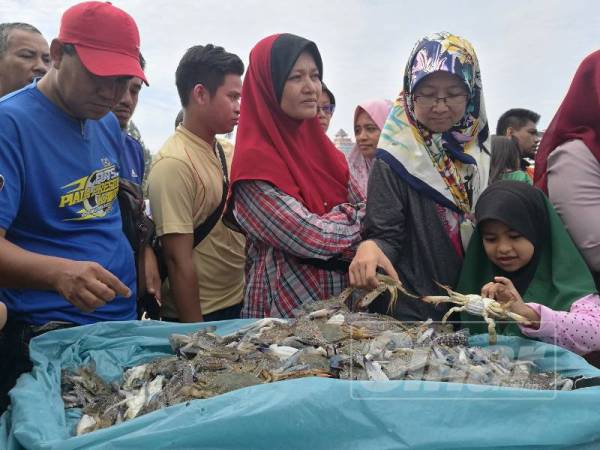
(327, 109)
(428, 101)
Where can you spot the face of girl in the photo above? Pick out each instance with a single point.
(505, 247)
(302, 89)
(440, 101)
(367, 134)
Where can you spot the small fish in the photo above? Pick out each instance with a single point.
(374, 371)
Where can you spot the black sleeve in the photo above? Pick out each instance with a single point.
(385, 221)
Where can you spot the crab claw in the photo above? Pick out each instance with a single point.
(446, 288)
(372, 295)
(386, 283)
(396, 285)
(435, 299)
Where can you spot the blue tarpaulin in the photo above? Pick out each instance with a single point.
(308, 413)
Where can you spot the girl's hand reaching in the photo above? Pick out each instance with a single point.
(503, 291)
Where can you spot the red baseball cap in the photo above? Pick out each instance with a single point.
(106, 38)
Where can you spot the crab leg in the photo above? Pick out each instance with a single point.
(518, 318)
(491, 327)
(371, 296)
(452, 310)
(345, 294)
(437, 299)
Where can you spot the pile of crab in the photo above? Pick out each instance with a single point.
(326, 339)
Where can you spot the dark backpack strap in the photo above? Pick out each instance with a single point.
(138, 227)
(202, 230)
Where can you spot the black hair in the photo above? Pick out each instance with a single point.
(206, 65)
(328, 92)
(6, 28)
(285, 52)
(515, 118)
(506, 157)
(142, 61)
(179, 118)
(69, 49)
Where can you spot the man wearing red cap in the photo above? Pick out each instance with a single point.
(64, 259)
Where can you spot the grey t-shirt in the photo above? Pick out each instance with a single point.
(574, 190)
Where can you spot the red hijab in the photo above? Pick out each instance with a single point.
(577, 118)
(294, 155)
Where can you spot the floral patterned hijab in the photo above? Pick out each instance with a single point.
(449, 167)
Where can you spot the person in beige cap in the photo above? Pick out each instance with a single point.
(64, 259)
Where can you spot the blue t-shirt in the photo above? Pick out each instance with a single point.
(132, 160)
(58, 197)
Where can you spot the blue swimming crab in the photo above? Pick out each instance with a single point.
(385, 283)
(477, 305)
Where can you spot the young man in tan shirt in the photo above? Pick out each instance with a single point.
(185, 187)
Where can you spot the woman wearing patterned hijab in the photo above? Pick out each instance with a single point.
(431, 166)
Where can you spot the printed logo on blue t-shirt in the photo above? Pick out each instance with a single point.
(95, 192)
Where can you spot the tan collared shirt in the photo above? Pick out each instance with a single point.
(185, 186)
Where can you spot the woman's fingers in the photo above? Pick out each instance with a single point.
(388, 267)
(363, 264)
(371, 274)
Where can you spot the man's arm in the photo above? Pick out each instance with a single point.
(87, 285)
(178, 253)
(148, 273)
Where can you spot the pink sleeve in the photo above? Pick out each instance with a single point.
(577, 330)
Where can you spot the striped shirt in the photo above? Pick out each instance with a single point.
(280, 232)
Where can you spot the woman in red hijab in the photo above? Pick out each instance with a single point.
(291, 192)
(567, 165)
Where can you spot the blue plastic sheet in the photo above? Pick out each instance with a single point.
(309, 413)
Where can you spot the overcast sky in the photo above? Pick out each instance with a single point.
(528, 50)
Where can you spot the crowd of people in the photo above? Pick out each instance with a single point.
(282, 217)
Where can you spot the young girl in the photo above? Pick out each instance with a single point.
(522, 253)
(505, 163)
